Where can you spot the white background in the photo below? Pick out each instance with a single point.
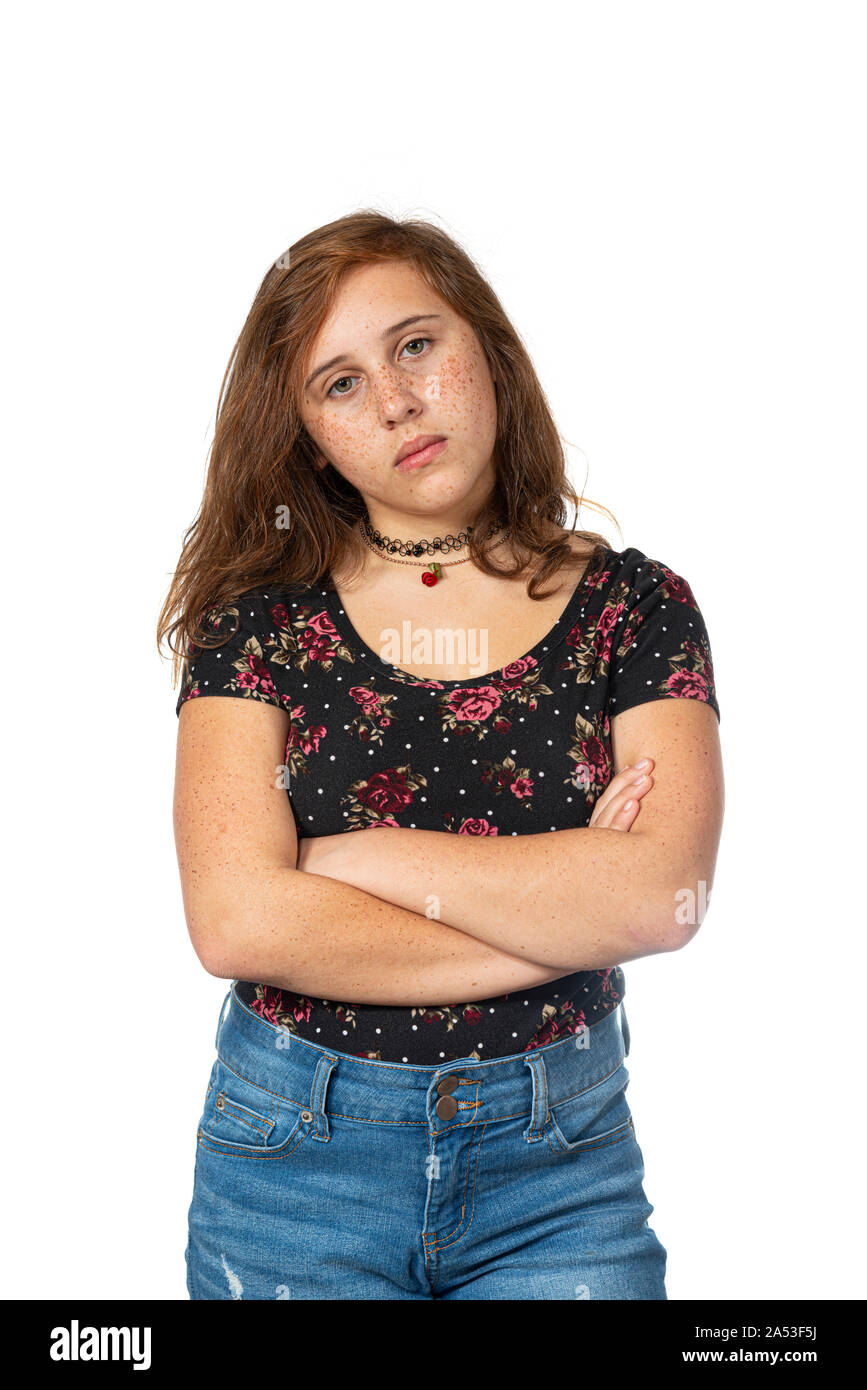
(669, 200)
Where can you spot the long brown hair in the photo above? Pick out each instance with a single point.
(262, 460)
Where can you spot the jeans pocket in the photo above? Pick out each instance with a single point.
(593, 1118)
(246, 1120)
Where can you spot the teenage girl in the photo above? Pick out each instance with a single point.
(468, 766)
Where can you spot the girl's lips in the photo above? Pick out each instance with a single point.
(413, 461)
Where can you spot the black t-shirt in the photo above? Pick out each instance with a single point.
(522, 750)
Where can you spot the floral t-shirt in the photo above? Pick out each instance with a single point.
(523, 750)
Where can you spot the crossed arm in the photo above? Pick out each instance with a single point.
(373, 916)
(579, 899)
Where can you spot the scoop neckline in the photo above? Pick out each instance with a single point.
(542, 651)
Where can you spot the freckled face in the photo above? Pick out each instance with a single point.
(427, 377)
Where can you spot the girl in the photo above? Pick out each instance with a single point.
(419, 1083)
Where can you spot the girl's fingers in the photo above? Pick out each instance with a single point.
(617, 817)
(627, 779)
(612, 810)
(614, 798)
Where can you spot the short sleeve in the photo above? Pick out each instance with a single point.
(663, 648)
(239, 666)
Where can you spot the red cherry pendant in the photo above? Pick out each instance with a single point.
(431, 574)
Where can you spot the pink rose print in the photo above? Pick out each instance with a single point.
(521, 787)
(267, 1006)
(477, 827)
(309, 742)
(603, 636)
(676, 587)
(319, 637)
(301, 1009)
(689, 684)
(272, 1006)
(317, 648)
(475, 703)
(386, 791)
(256, 677)
(323, 626)
(516, 669)
(368, 699)
(591, 768)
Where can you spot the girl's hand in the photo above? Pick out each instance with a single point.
(329, 855)
(611, 811)
(354, 859)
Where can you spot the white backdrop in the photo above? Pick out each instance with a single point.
(669, 200)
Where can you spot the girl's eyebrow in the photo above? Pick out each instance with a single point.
(387, 333)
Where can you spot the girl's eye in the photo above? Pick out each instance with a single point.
(417, 340)
(337, 383)
(330, 390)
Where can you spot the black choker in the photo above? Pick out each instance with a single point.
(440, 545)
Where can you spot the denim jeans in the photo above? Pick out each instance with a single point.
(320, 1175)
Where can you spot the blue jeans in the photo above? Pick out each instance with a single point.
(325, 1176)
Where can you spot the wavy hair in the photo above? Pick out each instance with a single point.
(262, 460)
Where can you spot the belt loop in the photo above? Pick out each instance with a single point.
(539, 1116)
(321, 1077)
(624, 1028)
(221, 1020)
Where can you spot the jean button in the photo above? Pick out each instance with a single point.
(447, 1107)
(447, 1085)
